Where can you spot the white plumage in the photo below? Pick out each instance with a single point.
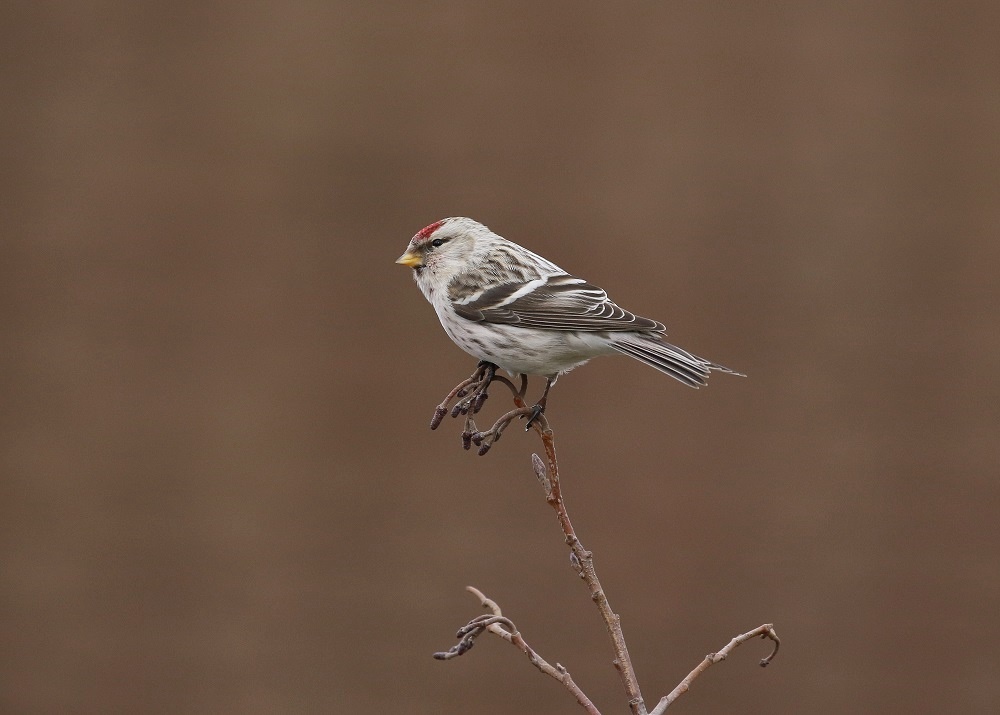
(502, 303)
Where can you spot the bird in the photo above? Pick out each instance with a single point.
(515, 310)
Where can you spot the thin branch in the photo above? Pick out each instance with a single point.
(497, 624)
(764, 631)
(485, 440)
(472, 394)
(470, 391)
(584, 561)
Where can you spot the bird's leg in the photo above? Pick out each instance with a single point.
(539, 407)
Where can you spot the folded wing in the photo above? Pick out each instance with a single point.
(554, 302)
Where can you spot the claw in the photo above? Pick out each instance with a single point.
(536, 412)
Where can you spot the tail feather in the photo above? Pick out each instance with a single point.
(672, 360)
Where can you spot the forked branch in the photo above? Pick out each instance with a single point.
(471, 395)
(495, 622)
(764, 631)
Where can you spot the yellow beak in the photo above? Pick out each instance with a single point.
(410, 259)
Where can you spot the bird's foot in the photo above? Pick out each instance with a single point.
(539, 409)
(536, 411)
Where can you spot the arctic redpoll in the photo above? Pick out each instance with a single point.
(507, 306)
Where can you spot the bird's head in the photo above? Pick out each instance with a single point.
(444, 248)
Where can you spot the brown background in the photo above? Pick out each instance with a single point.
(219, 491)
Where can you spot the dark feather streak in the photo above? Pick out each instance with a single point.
(561, 303)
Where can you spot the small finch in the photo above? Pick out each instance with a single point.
(511, 308)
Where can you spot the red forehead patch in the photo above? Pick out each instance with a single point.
(426, 231)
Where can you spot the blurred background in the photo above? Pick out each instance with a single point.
(219, 491)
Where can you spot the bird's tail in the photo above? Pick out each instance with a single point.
(670, 359)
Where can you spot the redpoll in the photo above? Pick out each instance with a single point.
(507, 306)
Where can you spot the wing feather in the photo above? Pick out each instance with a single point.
(554, 302)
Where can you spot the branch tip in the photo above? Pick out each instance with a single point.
(503, 627)
(769, 633)
(764, 631)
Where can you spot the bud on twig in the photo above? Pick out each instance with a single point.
(541, 474)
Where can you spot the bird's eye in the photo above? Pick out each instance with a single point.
(438, 242)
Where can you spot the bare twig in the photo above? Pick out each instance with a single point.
(764, 631)
(485, 440)
(472, 387)
(584, 559)
(497, 624)
(472, 394)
